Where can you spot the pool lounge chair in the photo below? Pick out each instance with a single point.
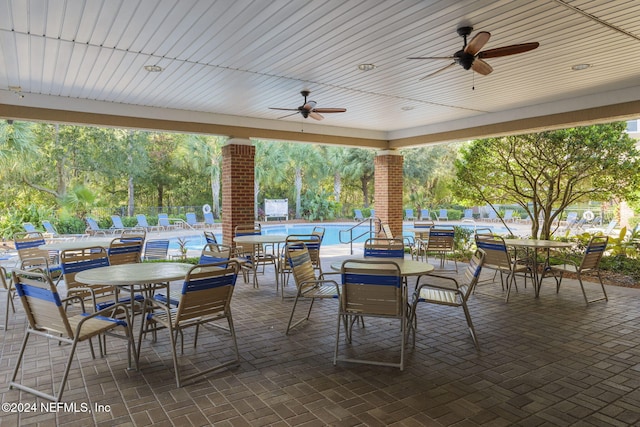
(209, 220)
(142, 223)
(358, 215)
(409, 215)
(442, 215)
(424, 214)
(192, 221)
(468, 215)
(165, 223)
(93, 229)
(29, 228)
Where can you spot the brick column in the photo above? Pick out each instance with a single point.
(388, 189)
(237, 186)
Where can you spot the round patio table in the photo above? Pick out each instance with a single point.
(537, 245)
(259, 240)
(408, 267)
(74, 244)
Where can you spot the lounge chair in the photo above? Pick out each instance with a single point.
(424, 214)
(468, 215)
(508, 216)
(118, 226)
(142, 223)
(165, 223)
(208, 219)
(443, 214)
(192, 221)
(409, 215)
(358, 215)
(29, 228)
(93, 229)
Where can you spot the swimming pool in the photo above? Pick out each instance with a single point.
(331, 236)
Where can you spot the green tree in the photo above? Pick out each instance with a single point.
(548, 171)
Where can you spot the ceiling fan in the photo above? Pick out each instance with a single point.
(308, 109)
(470, 56)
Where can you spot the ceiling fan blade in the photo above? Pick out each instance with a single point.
(508, 50)
(287, 115)
(329, 110)
(314, 115)
(481, 67)
(438, 71)
(430, 57)
(283, 109)
(477, 42)
(310, 105)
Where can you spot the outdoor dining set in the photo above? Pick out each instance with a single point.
(110, 292)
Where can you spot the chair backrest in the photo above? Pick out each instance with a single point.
(593, 253)
(384, 248)
(441, 238)
(27, 246)
(386, 230)
(372, 213)
(612, 224)
(318, 231)
(472, 273)
(117, 222)
(210, 238)
(163, 220)
(42, 303)
(357, 213)
(125, 250)
(443, 213)
(311, 241)
(49, 228)
(424, 214)
(299, 260)
(207, 291)
(508, 214)
(191, 218)
(492, 215)
(208, 218)
(93, 224)
(77, 260)
(156, 249)
(372, 287)
(483, 230)
(246, 230)
(29, 228)
(142, 220)
(212, 253)
(572, 217)
(495, 251)
(468, 214)
(132, 233)
(427, 225)
(408, 213)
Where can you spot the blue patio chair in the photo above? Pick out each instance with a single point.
(49, 228)
(31, 256)
(384, 248)
(409, 215)
(372, 213)
(210, 238)
(492, 216)
(156, 249)
(442, 215)
(29, 228)
(192, 220)
(94, 229)
(468, 215)
(358, 215)
(209, 221)
(142, 223)
(164, 223)
(117, 225)
(205, 298)
(48, 319)
(371, 288)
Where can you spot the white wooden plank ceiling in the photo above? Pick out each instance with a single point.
(234, 59)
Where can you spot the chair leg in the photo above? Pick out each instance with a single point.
(472, 330)
(293, 309)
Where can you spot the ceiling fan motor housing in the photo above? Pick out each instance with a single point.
(464, 59)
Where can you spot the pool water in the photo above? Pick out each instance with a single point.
(331, 236)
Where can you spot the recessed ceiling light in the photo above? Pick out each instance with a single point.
(366, 67)
(153, 68)
(579, 67)
(407, 108)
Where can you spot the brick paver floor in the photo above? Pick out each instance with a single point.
(550, 361)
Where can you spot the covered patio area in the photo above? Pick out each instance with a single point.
(547, 361)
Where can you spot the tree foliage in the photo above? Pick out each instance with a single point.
(546, 172)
